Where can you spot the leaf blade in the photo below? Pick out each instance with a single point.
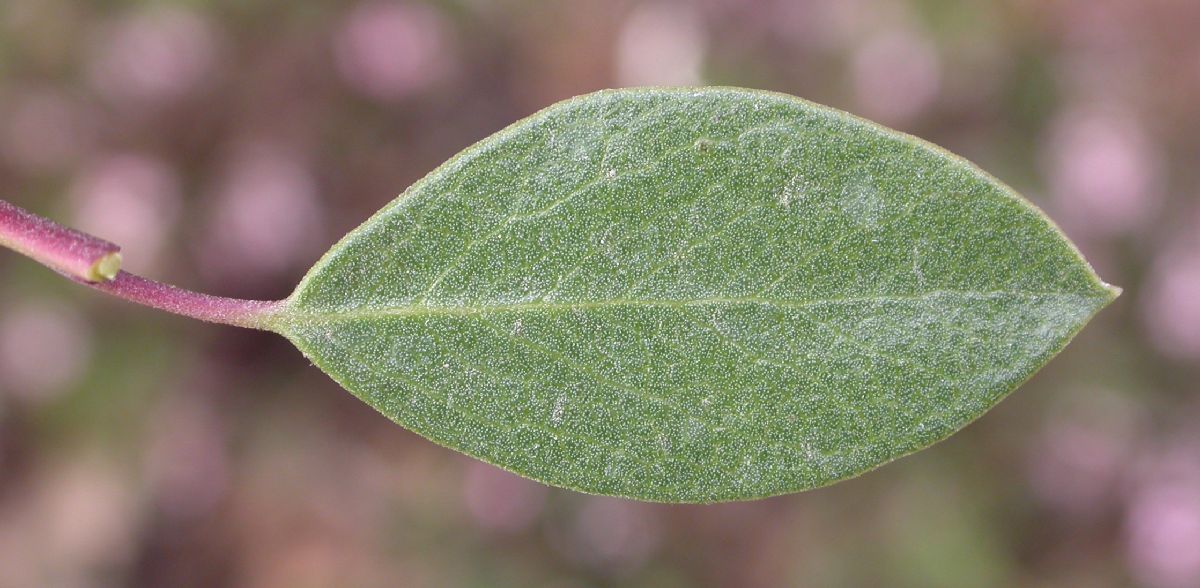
(601, 288)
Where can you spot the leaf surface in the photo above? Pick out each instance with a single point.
(693, 295)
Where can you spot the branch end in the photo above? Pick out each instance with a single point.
(106, 268)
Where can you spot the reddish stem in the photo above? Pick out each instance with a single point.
(205, 307)
(67, 251)
(96, 263)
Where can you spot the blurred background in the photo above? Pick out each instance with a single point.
(226, 144)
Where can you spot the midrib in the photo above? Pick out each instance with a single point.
(292, 314)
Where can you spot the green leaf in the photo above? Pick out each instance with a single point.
(693, 295)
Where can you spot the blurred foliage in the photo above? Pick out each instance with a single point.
(141, 449)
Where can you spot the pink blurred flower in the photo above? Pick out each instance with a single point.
(88, 509)
(1171, 304)
(1163, 522)
(1104, 171)
(501, 501)
(153, 56)
(67, 523)
(390, 50)
(615, 535)
(43, 350)
(1076, 468)
(661, 44)
(897, 76)
(186, 460)
(838, 25)
(267, 216)
(42, 129)
(132, 200)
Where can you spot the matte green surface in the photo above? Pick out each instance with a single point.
(693, 295)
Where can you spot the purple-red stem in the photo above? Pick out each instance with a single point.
(67, 251)
(205, 307)
(96, 263)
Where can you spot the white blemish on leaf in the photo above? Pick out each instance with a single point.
(556, 413)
